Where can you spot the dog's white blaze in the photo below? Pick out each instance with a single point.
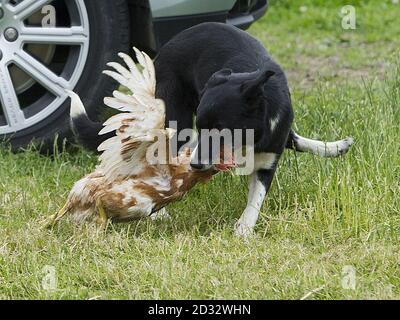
(274, 122)
(264, 161)
(248, 220)
(324, 149)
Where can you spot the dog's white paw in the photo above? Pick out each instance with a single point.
(160, 215)
(243, 230)
(344, 145)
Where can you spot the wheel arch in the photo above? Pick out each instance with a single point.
(141, 25)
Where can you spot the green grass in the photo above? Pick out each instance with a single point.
(321, 214)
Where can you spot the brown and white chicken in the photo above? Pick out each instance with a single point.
(125, 186)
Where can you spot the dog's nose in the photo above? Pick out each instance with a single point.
(199, 166)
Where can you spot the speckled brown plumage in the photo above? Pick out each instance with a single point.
(125, 185)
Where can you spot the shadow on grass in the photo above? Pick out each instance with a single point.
(207, 209)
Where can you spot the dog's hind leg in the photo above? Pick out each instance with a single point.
(320, 148)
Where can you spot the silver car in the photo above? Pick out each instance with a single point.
(47, 46)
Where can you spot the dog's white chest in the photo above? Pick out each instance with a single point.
(264, 161)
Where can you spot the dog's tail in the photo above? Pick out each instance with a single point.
(320, 148)
(85, 130)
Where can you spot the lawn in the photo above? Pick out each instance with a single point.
(330, 228)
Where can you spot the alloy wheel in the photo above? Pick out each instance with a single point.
(44, 45)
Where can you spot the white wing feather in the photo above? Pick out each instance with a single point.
(140, 124)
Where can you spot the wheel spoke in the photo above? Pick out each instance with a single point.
(64, 36)
(41, 74)
(4, 2)
(9, 100)
(28, 7)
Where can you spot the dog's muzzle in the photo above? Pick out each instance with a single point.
(196, 162)
(200, 167)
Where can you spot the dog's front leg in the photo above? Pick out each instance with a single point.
(259, 184)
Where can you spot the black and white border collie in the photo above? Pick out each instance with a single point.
(226, 78)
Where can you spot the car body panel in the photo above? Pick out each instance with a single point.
(183, 14)
(171, 8)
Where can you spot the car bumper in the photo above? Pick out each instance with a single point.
(245, 20)
(167, 28)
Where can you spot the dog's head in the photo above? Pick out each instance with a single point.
(231, 101)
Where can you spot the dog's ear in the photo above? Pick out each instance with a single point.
(253, 89)
(219, 77)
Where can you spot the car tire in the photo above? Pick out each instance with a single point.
(109, 34)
